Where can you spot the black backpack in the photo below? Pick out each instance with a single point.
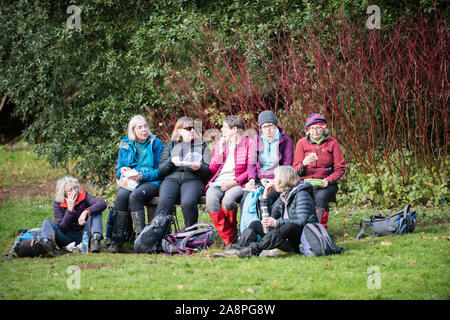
(400, 223)
(316, 241)
(149, 239)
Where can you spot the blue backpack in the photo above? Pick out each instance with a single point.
(400, 223)
(23, 245)
(250, 209)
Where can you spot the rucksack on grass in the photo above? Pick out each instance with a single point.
(149, 240)
(400, 223)
(23, 245)
(190, 239)
(316, 241)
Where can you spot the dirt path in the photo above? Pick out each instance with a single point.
(27, 191)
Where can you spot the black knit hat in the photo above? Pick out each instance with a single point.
(267, 116)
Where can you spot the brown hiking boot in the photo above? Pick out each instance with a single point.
(114, 249)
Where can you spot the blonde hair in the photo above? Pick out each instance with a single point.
(133, 122)
(61, 183)
(285, 178)
(180, 122)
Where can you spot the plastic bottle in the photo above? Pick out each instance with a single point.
(265, 214)
(85, 242)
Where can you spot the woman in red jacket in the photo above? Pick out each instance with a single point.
(319, 157)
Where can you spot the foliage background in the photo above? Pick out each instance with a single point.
(77, 89)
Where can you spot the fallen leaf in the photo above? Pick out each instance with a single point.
(345, 234)
(91, 288)
(180, 287)
(386, 243)
(345, 220)
(414, 261)
(56, 274)
(423, 237)
(174, 274)
(250, 290)
(435, 238)
(326, 266)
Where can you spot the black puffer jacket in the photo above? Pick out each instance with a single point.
(168, 170)
(300, 206)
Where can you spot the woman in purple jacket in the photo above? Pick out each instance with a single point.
(72, 208)
(269, 149)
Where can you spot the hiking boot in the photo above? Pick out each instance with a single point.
(114, 249)
(230, 253)
(269, 253)
(95, 242)
(44, 247)
(245, 253)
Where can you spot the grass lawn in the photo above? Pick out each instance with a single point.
(413, 266)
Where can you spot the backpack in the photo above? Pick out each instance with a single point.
(190, 239)
(129, 232)
(400, 223)
(250, 209)
(23, 245)
(316, 241)
(150, 238)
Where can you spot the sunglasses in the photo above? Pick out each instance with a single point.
(188, 128)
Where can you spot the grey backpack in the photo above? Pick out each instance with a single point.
(316, 241)
(149, 240)
(400, 223)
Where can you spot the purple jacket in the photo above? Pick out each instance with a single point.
(285, 156)
(68, 220)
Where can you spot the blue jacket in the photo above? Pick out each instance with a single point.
(149, 170)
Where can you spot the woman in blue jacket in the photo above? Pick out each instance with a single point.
(139, 150)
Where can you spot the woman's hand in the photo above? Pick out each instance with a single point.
(176, 161)
(250, 184)
(136, 178)
(310, 158)
(195, 166)
(71, 199)
(82, 218)
(228, 185)
(269, 222)
(123, 169)
(269, 187)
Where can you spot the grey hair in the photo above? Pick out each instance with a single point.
(60, 184)
(133, 122)
(286, 178)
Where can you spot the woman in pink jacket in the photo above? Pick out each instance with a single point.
(228, 165)
(319, 157)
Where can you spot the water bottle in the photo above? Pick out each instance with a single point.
(85, 242)
(265, 214)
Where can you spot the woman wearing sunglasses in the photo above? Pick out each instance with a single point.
(184, 167)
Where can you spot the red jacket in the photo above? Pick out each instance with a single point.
(330, 163)
(241, 154)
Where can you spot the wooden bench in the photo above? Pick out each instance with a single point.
(151, 207)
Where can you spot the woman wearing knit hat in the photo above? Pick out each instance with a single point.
(270, 148)
(319, 160)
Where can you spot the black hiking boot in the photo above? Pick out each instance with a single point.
(95, 242)
(45, 248)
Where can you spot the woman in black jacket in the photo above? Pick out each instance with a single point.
(184, 166)
(293, 209)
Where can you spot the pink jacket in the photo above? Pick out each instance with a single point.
(241, 159)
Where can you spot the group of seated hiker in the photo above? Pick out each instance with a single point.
(298, 184)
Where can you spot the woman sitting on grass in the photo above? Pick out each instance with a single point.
(293, 209)
(72, 208)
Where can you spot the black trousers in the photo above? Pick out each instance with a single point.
(286, 237)
(188, 191)
(323, 196)
(135, 200)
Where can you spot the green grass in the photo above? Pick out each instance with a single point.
(20, 165)
(413, 266)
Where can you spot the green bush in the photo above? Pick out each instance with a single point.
(391, 188)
